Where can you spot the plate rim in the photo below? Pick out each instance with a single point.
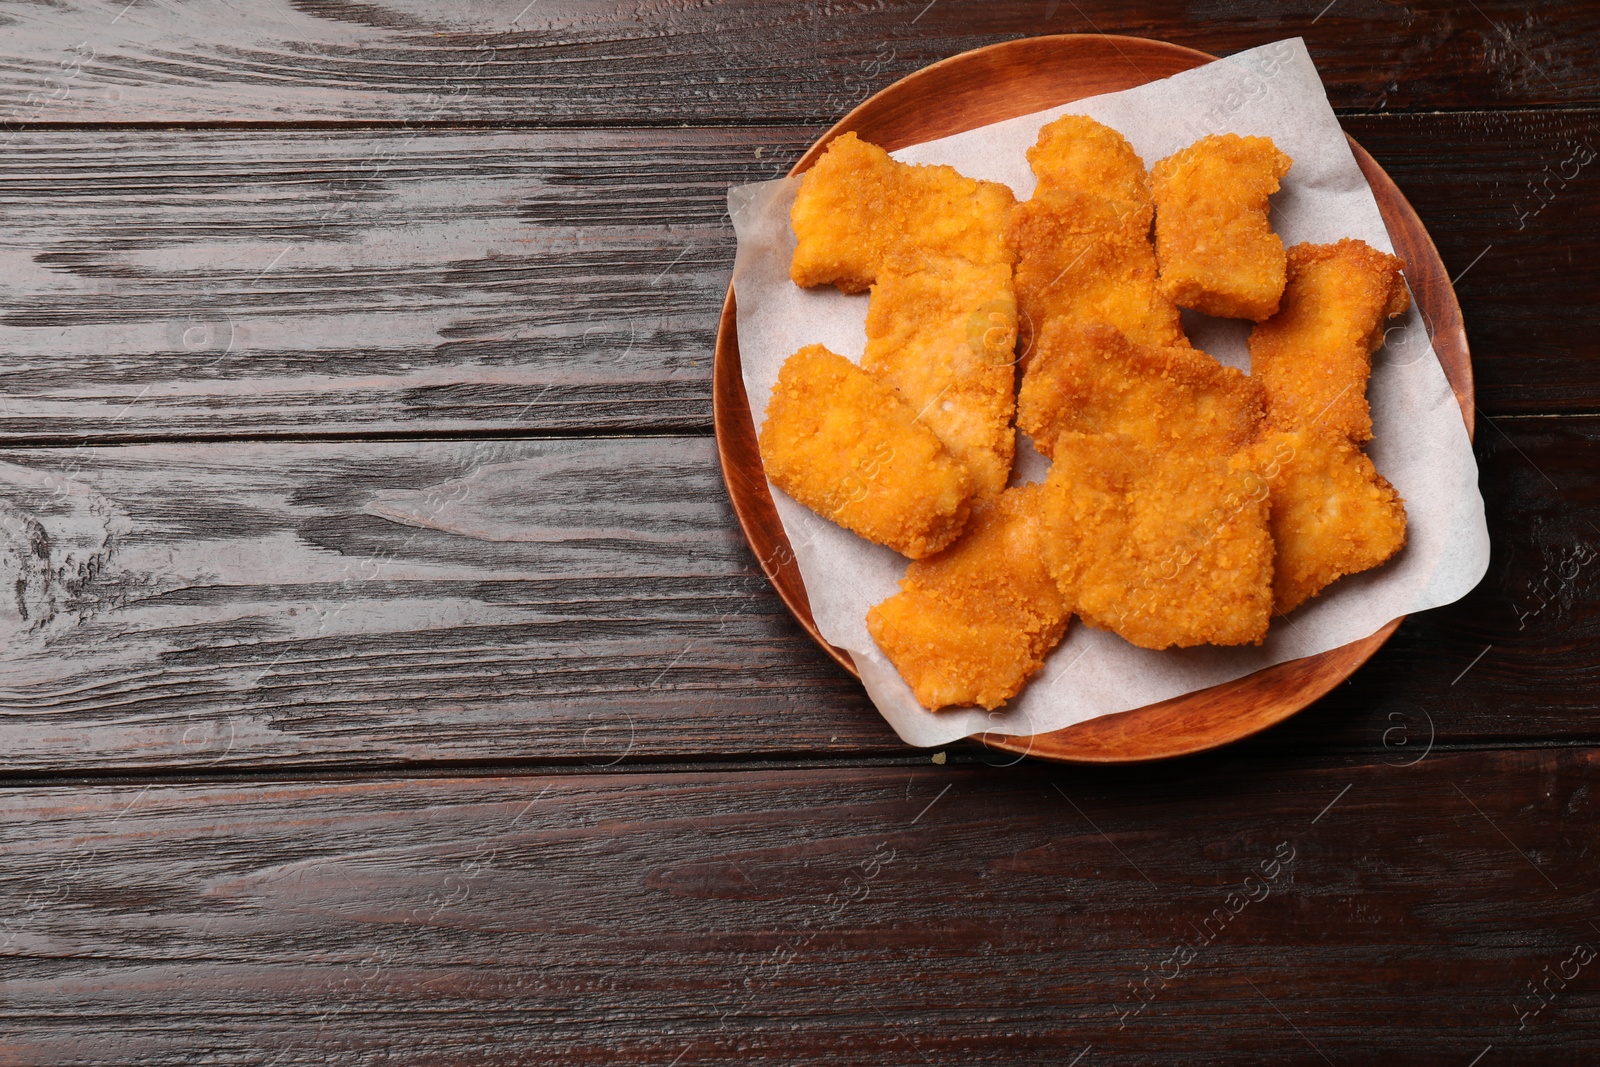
(757, 515)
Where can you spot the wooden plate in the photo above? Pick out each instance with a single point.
(1017, 78)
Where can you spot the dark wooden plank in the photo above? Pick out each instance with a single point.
(210, 283)
(281, 604)
(205, 283)
(872, 916)
(220, 605)
(1510, 200)
(574, 62)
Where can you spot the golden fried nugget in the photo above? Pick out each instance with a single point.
(971, 624)
(943, 332)
(1332, 512)
(1083, 241)
(1161, 547)
(1216, 247)
(1087, 259)
(1078, 154)
(856, 205)
(1092, 379)
(848, 447)
(1315, 355)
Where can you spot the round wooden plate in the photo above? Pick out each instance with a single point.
(1004, 81)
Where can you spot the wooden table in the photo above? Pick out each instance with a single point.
(386, 679)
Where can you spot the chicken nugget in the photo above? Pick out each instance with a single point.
(856, 205)
(1087, 259)
(1078, 154)
(1214, 241)
(1315, 355)
(1163, 548)
(1083, 240)
(1332, 513)
(943, 332)
(848, 447)
(1092, 379)
(971, 624)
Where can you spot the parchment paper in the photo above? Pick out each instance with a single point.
(1420, 443)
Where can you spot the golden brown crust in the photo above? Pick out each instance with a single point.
(1165, 548)
(856, 205)
(849, 448)
(1332, 513)
(943, 331)
(1092, 379)
(1087, 259)
(971, 624)
(1315, 355)
(1214, 240)
(1083, 240)
(1077, 154)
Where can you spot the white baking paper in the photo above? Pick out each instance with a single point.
(1420, 443)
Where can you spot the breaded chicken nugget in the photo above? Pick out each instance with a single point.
(1092, 379)
(1078, 154)
(943, 332)
(1216, 247)
(1088, 259)
(1161, 547)
(1083, 240)
(856, 205)
(1315, 355)
(849, 448)
(971, 624)
(1332, 512)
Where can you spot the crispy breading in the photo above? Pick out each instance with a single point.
(1332, 513)
(1162, 547)
(1214, 241)
(856, 205)
(971, 624)
(1087, 259)
(1078, 154)
(1315, 355)
(1092, 379)
(1083, 240)
(943, 332)
(848, 447)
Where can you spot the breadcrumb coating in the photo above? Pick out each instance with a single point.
(1083, 240)
(1332, 513)
(848, 447)
(1092, 379)
(1214, 240)
(971, 624)
(943, 332)
(856, 205)
(1163, 547)
(1315, 355)
(1077, 154)
(1086, 259)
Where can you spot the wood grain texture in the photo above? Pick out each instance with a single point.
(1511, 201)
(283, 604)
(587, 62)
(872, 916)
(227, 282)
(190, 609)
(586, 600)
(210, 283)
